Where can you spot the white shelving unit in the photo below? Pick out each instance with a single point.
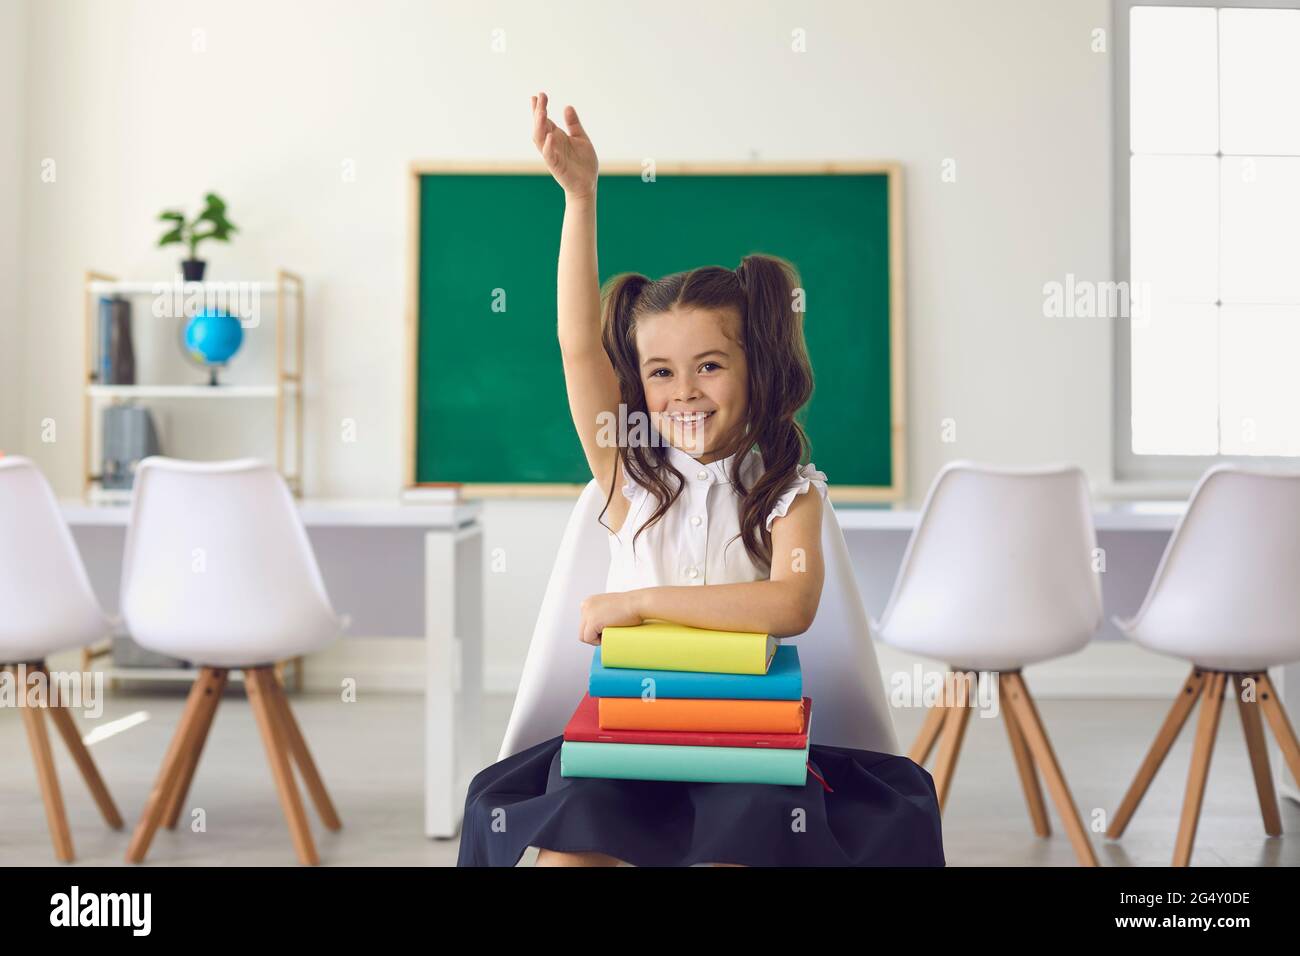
(106, 285)
(284, 390)
(184, 391)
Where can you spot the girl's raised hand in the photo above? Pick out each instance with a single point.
(570, 157)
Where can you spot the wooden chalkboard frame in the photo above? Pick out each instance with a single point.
(893, 172)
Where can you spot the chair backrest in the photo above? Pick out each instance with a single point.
(836, 655)
(1230, 575)
(216, 551)
(1001, 558)
(46, 601)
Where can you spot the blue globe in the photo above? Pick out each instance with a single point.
(213, 336)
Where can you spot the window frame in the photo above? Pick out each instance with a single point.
(1127, 465)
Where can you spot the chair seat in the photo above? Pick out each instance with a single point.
(67, 630)
(998, 573)
(1216, 655)
(253, 647)
(1001, 655)
(1224, 594)
(14, 651)
(46, 600)
(217, 568)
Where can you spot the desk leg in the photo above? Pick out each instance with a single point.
(453, 613)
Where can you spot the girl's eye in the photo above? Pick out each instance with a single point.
(656, 372)
(707, 364)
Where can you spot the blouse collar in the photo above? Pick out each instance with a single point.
(691, 467)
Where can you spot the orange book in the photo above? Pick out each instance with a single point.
(697, 714)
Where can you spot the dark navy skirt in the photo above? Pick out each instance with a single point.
(857, 808)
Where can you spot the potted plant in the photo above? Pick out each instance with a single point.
(211, 223)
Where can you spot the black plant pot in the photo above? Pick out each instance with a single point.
(192, 269)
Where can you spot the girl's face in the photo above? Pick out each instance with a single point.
(695, 377)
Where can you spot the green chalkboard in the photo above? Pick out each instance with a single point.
(490, 403)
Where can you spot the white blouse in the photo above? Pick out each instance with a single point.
(693, 542)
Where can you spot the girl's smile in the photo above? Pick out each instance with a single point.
(689, 418)
(688, 430)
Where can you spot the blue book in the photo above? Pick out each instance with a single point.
(783, 681)
(105, 341)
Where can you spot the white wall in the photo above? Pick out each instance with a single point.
(14, 182)
(285, 93)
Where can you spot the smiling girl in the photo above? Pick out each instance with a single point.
(710, 525)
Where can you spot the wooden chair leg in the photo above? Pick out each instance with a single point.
(1281, 724)
(1028, 775)
(954, 730)
(302, 756)
(172, 765)
(55, 814)
(258, 681)
(194, 749)
(1206, 729)
(67, 727)
(1031, 725)
(1169, 731)
(1257, 746)
(933, 723)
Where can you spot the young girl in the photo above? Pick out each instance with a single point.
(709, 516)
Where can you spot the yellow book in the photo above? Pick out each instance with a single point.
(663, 646)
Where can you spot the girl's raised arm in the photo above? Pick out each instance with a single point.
(592, 387)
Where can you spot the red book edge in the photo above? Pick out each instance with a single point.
(584, 726)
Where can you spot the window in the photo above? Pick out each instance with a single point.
(1208, 234)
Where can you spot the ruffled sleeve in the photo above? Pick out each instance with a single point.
(808, 476)
(631, 490)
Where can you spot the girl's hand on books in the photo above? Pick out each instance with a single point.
(616, 609)
(570, 158)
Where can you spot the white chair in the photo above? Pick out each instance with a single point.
(218, 571)
(1226, 598)
(1000, 573)
(46, 605)
(838, 661)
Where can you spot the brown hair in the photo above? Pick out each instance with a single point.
(761, 291)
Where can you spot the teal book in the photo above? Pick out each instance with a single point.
(783, 681)
(699, 764)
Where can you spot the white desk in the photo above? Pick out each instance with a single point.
(394, 570)
(1125, 516)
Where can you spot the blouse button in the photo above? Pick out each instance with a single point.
(693, 573)
(702, 475)
(695, 520)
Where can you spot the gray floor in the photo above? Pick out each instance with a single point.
(370, 755)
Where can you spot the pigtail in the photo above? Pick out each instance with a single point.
(780, 384)
(617, 331)
(642, 464)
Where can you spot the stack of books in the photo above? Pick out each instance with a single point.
(669, 702)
